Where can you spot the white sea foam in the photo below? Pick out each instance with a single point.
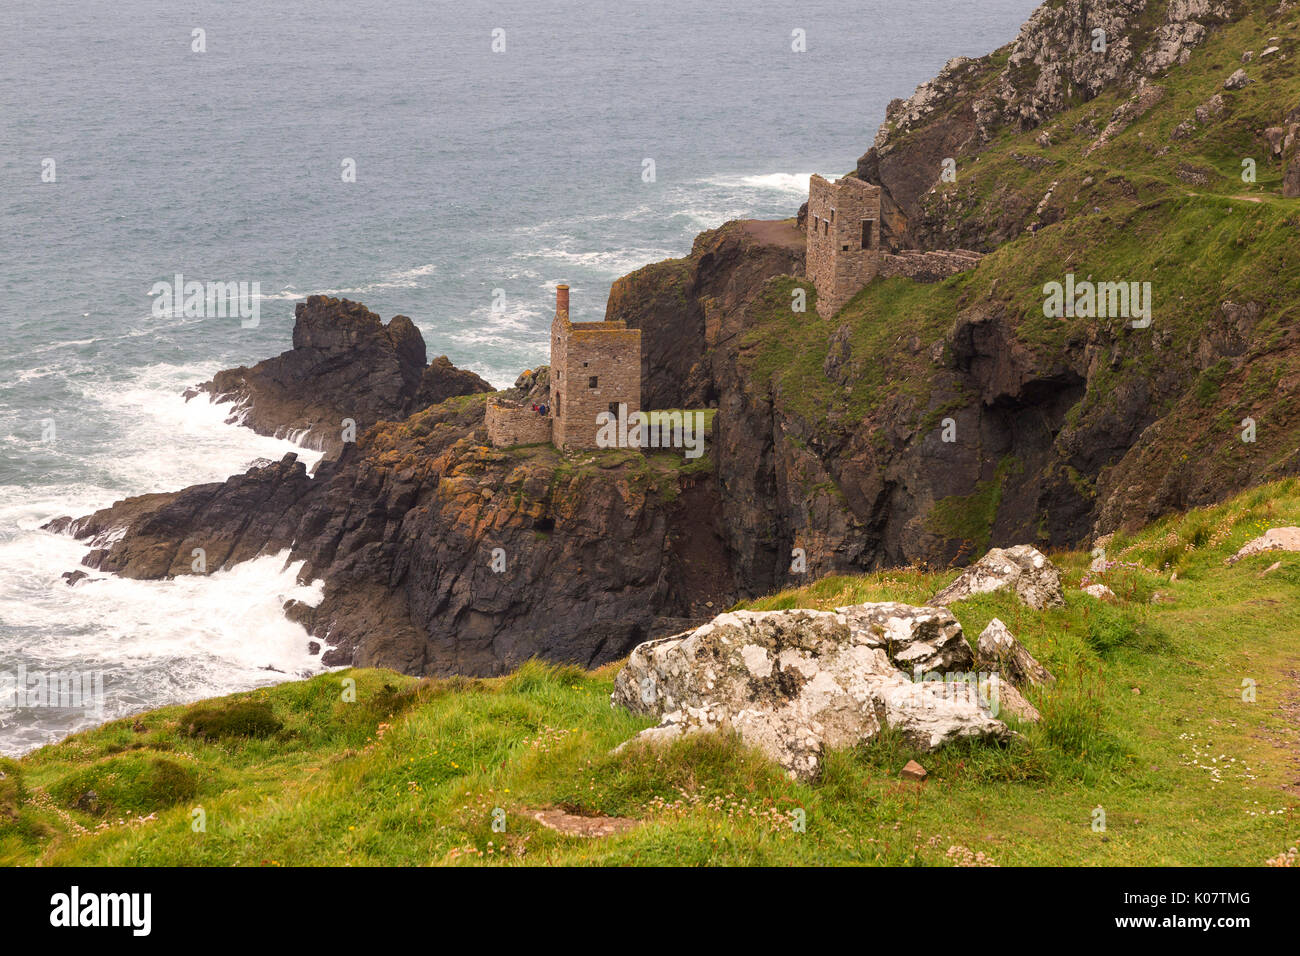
(793, 183)
(154, 641)
(396, 279)
(615, 262)
(164, 443)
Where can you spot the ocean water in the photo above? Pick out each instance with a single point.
(475, 171)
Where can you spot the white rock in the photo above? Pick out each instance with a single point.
(1274, 539)
(1100, 592)
(1023, 568)
(792, 683)
(1236, 81)
(926, 637)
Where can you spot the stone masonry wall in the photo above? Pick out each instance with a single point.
(559, 374)
(843, 231)
(602, 368)
(512, 424)
(934, 266)
(593, 365)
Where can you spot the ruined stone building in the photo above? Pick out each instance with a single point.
(845, 250)
(843, 228)
(595, 367)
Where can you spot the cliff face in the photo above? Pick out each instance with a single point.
(1053, 65)
(928, 423)
(689, 308)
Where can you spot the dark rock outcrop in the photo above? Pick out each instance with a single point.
(687, 308)
(346, 367)
(442, 380)
(440, 555)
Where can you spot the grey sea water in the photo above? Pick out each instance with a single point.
(475, 170)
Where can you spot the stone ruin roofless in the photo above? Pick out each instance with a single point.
(845, 250)
(595, 367)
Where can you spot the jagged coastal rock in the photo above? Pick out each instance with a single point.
(793, 683)
(346, 366)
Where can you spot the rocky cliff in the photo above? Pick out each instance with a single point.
(926, 423)
(441, 555)
(346, 371)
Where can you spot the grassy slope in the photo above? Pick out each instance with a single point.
(410, 772)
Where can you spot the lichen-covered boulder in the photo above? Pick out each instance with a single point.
(998, 650)
(928, 638)
(1023, 568)
(792, 683)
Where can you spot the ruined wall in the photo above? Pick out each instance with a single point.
(843, 231)
(934, 266)
(510, 423)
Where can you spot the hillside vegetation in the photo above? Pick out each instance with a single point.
(1147, 722)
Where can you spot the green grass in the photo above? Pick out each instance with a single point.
(1147, 721)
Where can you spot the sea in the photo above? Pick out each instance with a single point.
(448, 161)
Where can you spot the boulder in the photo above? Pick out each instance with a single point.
(1210, 109)
(1023, 568)
(913, 638)
(1100, 592)
(998, 650)
(1005, 698)
(1237, 81)
(913, 771)
(1274, 539)
(792, 683)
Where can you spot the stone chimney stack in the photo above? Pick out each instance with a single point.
(562, 300)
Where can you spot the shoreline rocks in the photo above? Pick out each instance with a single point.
(346, 366)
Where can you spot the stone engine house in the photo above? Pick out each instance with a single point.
(595, 367)
(843, 229)
(846, 249)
